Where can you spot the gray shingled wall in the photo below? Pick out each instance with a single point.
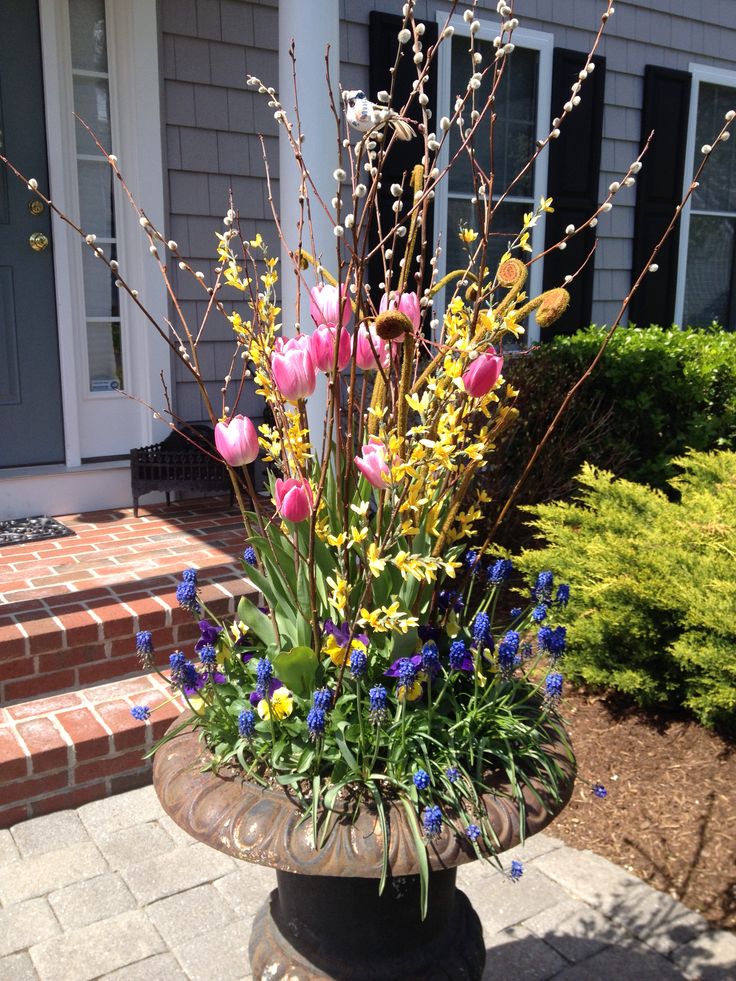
(212, 119)
(212, 124)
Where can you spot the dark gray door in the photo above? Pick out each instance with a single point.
(31, 426)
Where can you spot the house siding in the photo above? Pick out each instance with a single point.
(212, 126)
(212, 121)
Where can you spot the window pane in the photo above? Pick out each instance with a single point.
(87, 28)
(717, 191)
(105, 357)
(708, 282)
(506, 225)
(100, 293)
(92, 104)
(95, 198)
(516, 116)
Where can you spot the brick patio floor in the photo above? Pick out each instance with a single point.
(116, 890)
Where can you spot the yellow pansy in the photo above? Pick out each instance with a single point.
(282, 705)
(414, 692)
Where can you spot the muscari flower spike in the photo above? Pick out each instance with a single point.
(553, 688)
(247, 724)
(249, 555)
(430, 658)
(144, 648)
(562, 596)
(508, 651)
(208, 655)
(500, 571)
(264, 676)
(542, 589)
(460, 660)
(421, 779)
(377, 704)
(186, 592)
(358, 664)
(482, 631)
(141, 713)
(432, 821)
(452, 773)
(184, 675)
(515, 612)
(322, 699)
(539, 613)
(599, 790)
(316, 719)
(516, 871)
(473, 832)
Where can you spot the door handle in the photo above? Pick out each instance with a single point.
(38, 241)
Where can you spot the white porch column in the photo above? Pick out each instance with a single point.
(312, 27)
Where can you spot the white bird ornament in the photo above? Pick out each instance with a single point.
(365, 116)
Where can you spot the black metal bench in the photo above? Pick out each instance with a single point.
(179, 464)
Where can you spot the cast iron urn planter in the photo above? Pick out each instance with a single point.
(326, 920)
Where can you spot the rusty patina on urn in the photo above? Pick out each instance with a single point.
(326, 920)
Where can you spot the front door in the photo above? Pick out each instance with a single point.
(31, 424)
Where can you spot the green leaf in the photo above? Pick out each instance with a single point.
(257, 621)
(297, 669)
(384, 834)
(421, 853)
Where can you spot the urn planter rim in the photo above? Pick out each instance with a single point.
(266, 826)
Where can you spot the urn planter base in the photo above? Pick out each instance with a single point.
(323, 928)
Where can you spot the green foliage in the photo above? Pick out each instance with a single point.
(655, 394)
(653, 581)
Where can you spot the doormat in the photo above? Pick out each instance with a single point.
(21, 530)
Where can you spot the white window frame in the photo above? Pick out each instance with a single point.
(133, 61)
(543, 43)
(714, 76)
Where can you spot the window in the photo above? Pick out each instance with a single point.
(91, 85)
(707, 290)
(522, 116)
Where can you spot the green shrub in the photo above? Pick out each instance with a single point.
(653, 582)
(655, 394)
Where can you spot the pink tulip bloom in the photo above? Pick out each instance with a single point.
(322, 348)
(407, 303)
(483, 373)
(237, 441)
(367, 357)
(294, 500)
(325, 305)
(293, 369)
(372, 464)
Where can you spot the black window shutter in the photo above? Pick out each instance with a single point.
(659, 191)
(404, 156)
(572, 180)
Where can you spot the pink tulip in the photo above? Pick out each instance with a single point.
(368, 357)
(372, 464)
(237, 441)
(483, 374)
(322, 348)
(407, 303)
(325, 305)
(294, 500)
(293, 368)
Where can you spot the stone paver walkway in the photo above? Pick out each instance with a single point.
(116, 890)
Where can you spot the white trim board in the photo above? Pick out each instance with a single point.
(523, 38)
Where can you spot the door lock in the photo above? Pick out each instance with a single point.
(38, 241)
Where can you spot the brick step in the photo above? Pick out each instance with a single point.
(54, 650)
(64, 751)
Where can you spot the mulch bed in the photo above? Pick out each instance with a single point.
(669, 814)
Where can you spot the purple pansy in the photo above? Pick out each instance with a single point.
(209, 634)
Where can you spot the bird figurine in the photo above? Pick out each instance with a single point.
(364, 115)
